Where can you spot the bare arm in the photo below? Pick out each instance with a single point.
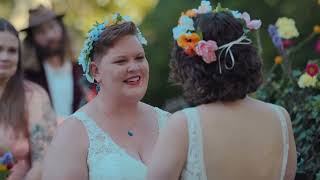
(67, 154)
(42, 124)
(292, 156)
(171, 150)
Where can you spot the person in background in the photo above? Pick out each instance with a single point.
(50, 60)
(27, 120)
(226, 135)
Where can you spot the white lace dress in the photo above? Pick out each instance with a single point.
(106, 160)
(195, 166)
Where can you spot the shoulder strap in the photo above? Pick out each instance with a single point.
(285, 139)
(195, 148)
(162, 117)
(89, 125)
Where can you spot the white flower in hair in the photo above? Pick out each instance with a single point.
(185, 24)
(205, 7)
(140, 37)
(236, 14)
(93, 35)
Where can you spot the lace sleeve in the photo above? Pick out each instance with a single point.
(41, 119)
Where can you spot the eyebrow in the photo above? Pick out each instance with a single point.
(120, 56)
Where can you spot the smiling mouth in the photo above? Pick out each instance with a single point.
(133, 81)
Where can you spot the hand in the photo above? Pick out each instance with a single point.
(19, 170)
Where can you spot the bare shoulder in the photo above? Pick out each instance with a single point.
(178, 122)
(70, 142)
(67, 154)
(71, 130)
(34, 89)
(35, 94)
(149, 108)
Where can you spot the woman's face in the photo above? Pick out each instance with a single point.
(9, 55)
(124, 69)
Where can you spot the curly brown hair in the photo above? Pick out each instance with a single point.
(202, 83)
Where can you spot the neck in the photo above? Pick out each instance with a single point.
(54, 61)
(116, 107)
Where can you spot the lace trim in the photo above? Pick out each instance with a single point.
(285, 138)
(100, 143)
(162, 117)
(194, 168)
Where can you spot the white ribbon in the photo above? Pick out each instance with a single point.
(227, 48)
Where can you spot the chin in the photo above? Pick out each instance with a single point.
(5, 75)
(135, 94)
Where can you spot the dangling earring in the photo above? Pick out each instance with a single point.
(97, 87)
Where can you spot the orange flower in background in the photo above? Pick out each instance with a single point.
(190, 13)
(278, 60)
(188, 42)
(316, 28)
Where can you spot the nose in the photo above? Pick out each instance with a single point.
(134, 66)
(4, 56)
(51, 34)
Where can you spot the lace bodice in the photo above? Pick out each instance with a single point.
(195, 166)
(106, 160)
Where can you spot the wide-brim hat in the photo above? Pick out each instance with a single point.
(40, 15)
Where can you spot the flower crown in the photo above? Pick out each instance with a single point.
(94, 33)
(190, 39)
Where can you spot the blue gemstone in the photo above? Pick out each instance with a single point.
(130, 133)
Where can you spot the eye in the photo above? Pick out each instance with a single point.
(13, 50)
(120, 61)
(140, 58)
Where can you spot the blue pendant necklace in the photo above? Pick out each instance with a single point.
(130, 133)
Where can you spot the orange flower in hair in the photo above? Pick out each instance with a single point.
(190, 13)
(188, 42)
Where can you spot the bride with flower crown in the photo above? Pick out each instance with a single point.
(111, 137)
(226, 135)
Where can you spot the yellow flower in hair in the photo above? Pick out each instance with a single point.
(287, 28)
(306, 80)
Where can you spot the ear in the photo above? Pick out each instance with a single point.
(94, 70)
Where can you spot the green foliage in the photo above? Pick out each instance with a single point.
(303, 106)
(285, 86)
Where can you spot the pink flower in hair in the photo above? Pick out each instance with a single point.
(207, 49)
(251, 24)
